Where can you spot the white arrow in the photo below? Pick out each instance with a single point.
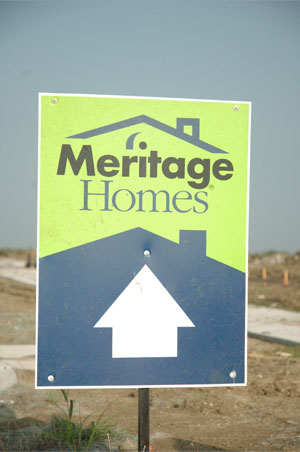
(144, 319)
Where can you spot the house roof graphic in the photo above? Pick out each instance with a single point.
(177, 131)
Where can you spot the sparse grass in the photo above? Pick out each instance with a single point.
(52, 397)
(293, 350)
(63, 433)
(77, 435)
(284, 351)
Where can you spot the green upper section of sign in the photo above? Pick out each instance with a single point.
(108, 165)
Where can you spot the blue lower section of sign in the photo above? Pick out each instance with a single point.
(76, 287)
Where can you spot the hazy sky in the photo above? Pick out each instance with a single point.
(216, 49)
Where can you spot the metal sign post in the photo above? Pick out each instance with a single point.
(143, 420)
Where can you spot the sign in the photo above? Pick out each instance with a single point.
(142, 242)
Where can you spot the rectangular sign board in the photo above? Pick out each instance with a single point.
(143, 213)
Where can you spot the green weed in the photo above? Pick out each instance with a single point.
(77, 435)
(63, 433)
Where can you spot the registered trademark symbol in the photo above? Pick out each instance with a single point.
(143, 145)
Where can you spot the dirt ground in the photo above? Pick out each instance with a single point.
(264, 416)
(271, 291)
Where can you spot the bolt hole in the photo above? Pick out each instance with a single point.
(143, 145)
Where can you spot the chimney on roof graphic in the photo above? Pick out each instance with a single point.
(194, 123)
